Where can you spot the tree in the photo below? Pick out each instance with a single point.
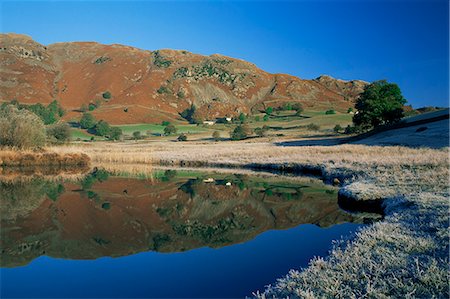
(87, 121)
(331, 111)
(240, 132)
(170, 129)
(137, 135)
(242, 117)
(266, 117)
(269, 110)
(115, 133)
(337, 128)
(182, 137)
(350, 110)
(165, 123)
(380, 103)
(261, 132)
(102, 128)
(20, 128)
(216, 135)
(106, 95)
(58, 132)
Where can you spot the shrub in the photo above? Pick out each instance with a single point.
(337, 128)
(56, 108)
(216, 135)
(137, 135)
(269, 110)
(102, 128)
(160, 61)
(190, 115)
(261, 132)
(182, 137)
(20, 128)
(59, 132)
(240, 132)
(266, 117)
(313, 127)
(87, 121)
(115, 133)
(242, 117)
(287, 107)
(170, 129)
(106, 95)
(331, 111)
(162, 90)
(92, 107)
(350, 110)
(165, 123)
(352, 129)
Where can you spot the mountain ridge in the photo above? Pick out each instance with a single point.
(149, 86)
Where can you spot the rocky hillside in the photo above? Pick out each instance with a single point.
(130, 85)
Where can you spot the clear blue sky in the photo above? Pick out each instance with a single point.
(405, 42)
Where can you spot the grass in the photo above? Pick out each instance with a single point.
(27, 158)
(159, 129)
(405, 255)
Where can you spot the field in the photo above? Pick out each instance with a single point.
(281, 124)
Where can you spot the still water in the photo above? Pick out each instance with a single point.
(170, 234)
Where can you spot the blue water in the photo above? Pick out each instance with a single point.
(231, 271)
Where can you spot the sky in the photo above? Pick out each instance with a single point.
(402, 41)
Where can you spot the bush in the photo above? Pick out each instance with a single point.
(92, 107)
(350, 110)
(190, 115)
(331, 111)
(352, 130)
(242, 117)
(266, 117)
(20, 128)
(106, 95)
(269, 110)
(182, 137)
(59, 132)
(137, 135)
(337, 128)
(165, 123)
(216, 135)
(313, 127)
(115, 133)
(87, 121)
(261, 132)
(170, 129)
(240, 132)
(162, 90)
(102, 128)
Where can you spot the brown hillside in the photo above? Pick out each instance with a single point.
(150, 86)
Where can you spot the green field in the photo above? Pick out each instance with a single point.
(159, 129)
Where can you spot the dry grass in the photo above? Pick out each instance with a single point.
(26, 158)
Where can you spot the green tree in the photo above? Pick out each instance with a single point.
(137, 135)
(87, 121)
(266, 117)
(381, 103)
(337, 128)
(269, 110)
(102, 128)
(106, 95)
(115, 133)
(242, 117)
(58, 132)
(182, 137)
(170, 129)
(350, 110)
(331, 111)
(165, 123)
(240, 132)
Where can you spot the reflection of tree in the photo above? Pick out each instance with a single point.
(18, 197)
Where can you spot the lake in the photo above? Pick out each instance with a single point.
(171, 233)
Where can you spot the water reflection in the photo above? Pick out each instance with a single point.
(100, 215)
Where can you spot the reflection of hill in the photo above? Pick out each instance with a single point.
(121, 216)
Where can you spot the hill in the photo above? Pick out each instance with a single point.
(127, 85)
